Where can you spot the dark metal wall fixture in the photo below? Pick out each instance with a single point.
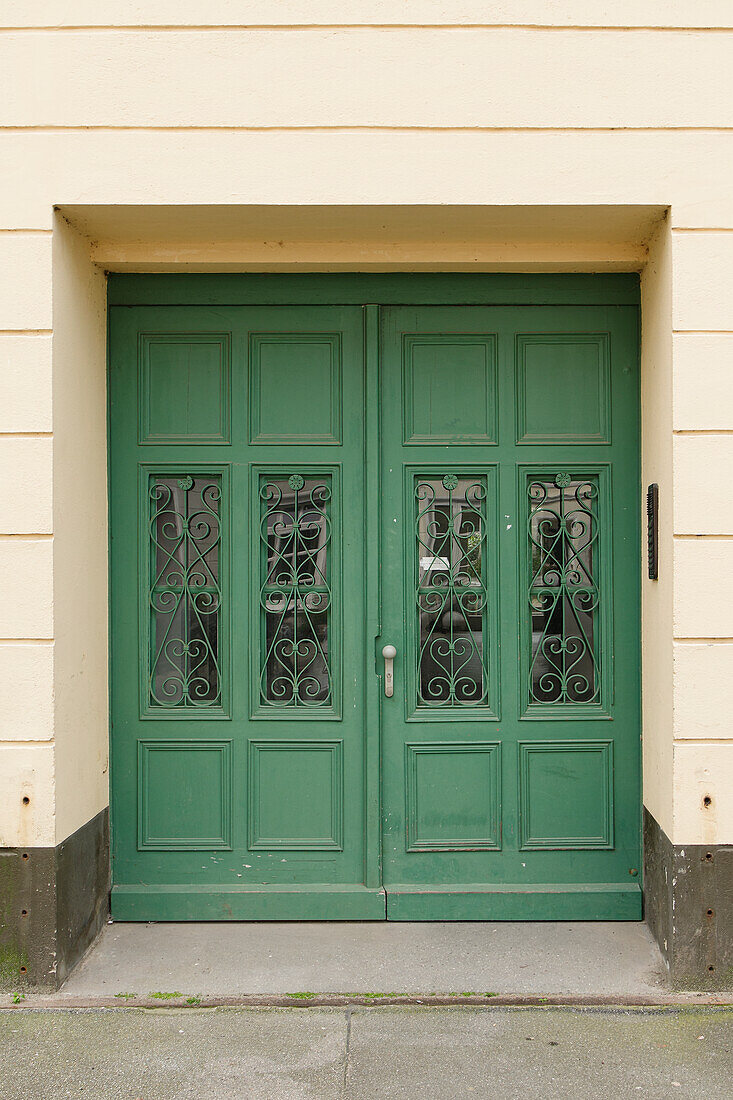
(652, 524)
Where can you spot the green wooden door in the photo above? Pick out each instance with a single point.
(295, 486)
(510, 580)
(238, 564)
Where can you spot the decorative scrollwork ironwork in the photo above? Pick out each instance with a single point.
(564, 595)
(185, 591)
(451, 591)
(295, 593)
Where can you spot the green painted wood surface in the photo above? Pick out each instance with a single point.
(220, 901)
(400, 288)
(242, 794)
(543, 901)
(509, 809)
(566, 791)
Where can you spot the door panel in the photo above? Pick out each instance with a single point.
(237, 488)
(510, 556)
(294, 487)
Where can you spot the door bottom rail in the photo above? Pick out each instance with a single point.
(402, 902)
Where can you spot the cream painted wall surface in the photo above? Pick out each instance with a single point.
(656, 466)
(365, 77)
(80, 533)
(582, 103)
(200, 13)
(689, 169)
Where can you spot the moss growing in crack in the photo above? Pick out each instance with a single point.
(158, 996)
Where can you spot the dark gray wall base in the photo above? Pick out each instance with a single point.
(53, 903)
(688, 902)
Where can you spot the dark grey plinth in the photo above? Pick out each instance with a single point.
(688, 892)
(53, 902)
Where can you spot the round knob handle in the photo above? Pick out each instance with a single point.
(389, 652)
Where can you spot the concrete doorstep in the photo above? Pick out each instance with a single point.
(339, 964)
(596, 960)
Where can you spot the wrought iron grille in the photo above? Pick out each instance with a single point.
(295, 593)
(185, 591)
(451, 591)
(564, 596)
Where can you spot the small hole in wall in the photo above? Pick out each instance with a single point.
(710, 968)
(24, 912)
(707, 800)
(26, 800)
(24, 969)
(710, 912)
(709, 857)
(25, 856)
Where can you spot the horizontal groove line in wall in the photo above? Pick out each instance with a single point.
(709, 538)
(26, 332)
(347, 128)
(26, 744)
(702, 332)
(702, 229)
(153, 28)
(704, 641)
(703, 740)
(27, 232)
(25, 435)
(27, 641)
(702, 431)
(28, 536)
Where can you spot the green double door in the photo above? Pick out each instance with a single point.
(294, 488)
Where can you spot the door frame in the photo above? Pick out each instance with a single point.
(370, 291)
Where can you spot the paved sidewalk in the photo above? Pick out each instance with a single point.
(217, 959)
(319, 1054)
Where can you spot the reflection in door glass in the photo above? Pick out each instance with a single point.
(295, 594)
(185, 591)
(451, 593)
(563, 592)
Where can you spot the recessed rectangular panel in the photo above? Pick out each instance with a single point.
(295, 388)
(563, 388)
(184, 795)
(296, 795)
(185, 388)
(449, 389)
(566, 794)
(453, 796)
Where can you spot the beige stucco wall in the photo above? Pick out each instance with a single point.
(120, 118)
(80, 532)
